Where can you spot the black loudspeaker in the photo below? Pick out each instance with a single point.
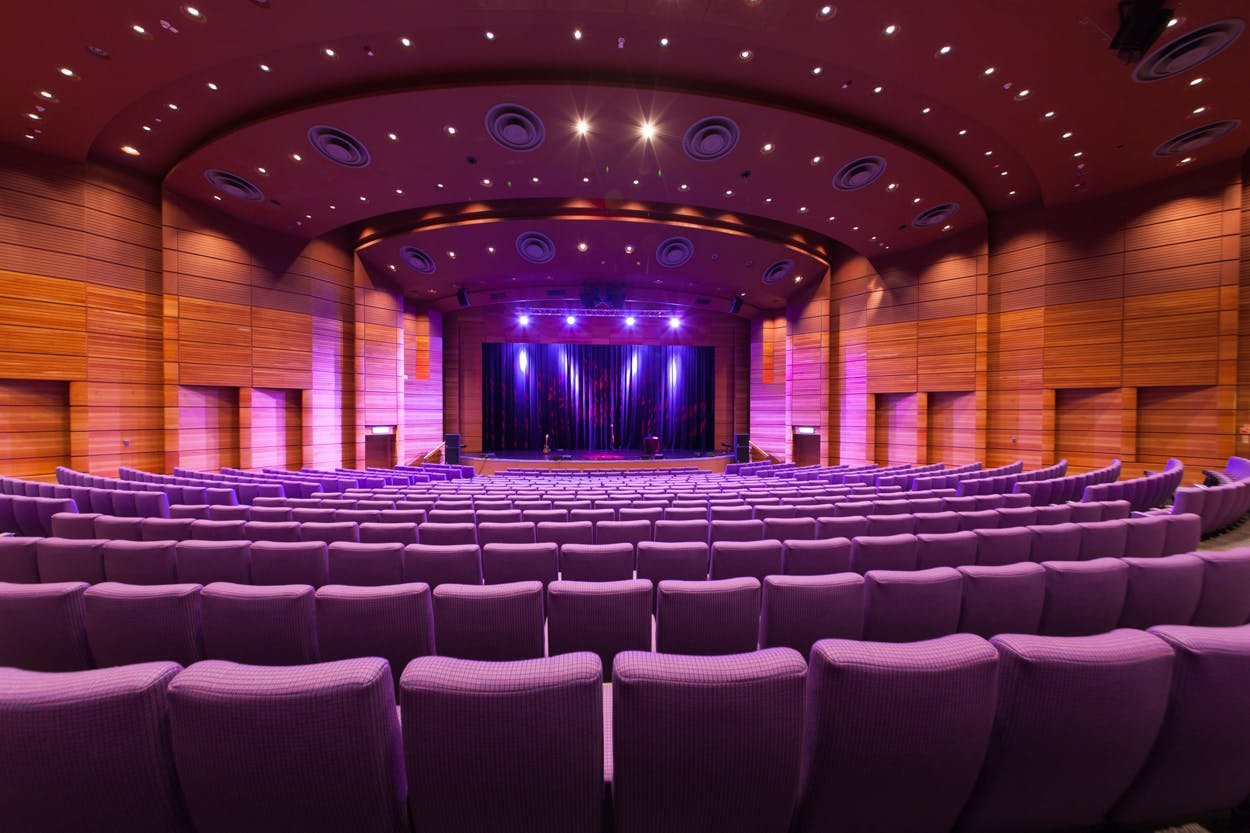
(462, 296)
(1141, 24)
(742, 448)
(735, 305)
(451, 449)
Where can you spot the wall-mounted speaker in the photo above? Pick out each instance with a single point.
(462, 296)
(742, 448)
(451, 447)
(735, 305)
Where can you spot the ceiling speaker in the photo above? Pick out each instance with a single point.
(1141, 23)
(735, 304)
(462, 296)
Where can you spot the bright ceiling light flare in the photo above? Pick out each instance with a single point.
(646, 130)
(583, 127)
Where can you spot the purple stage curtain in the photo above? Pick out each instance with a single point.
(596, 396)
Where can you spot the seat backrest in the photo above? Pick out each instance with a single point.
(1083, 597)
(395, 622)
(70, 559)
(597, 562)
(1062, 751)
(683, 530)
(272, 530)
(603, 617)
(88, 750)
(1103, 539)
(491, 622)
(1004, 599)
(1003, 545)
(787, 529)
(444, 534)
(1056, 542)
(503, 563)
(367, 565)
(854, 691)
(204, 562)
(946, 549)
(544, 719)
(799, 610)
(615, 532)
(731, 559)
(740, 719)
(1225, 599)
(42, 626)
(274, 625)
(911, 605)
(19, 559)
(140, 562)
(736, 530)
(313, 747)
(522, 532)
(289, 562)
(707, 617)
(128, 623)
(819, 556)
(1162, 591)
(207, 530)
(885, 552)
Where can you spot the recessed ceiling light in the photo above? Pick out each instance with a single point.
(451, 130)
(916, 201)
(490, 249)
(147, 128)
(67, 72)
(1002, 173)
(334, 208)
(893, 186)
(768, 200)
(989, 71)
(802, 209)
(261, 170)
(729, 192)
(295, 157)
(263, 67)
(635, 182)
(329, 53)
(825, 12)
(523, 320)
(767, 147)
(391, 266)
(1198, 111)
(963, 132)
(683, 187)
(946, 228)
(570, 319)
(193, 12)
(1193, 82)
(139, 30)
(646, 130)
(217, 197)
(577, 34)
(816, 160)
(674, 322)
(583, 246)
(1067, 134)
(212, 86)
(1173, 22)
(629, 250)
(799, 278)
(583, 127)
(585, 179)
(399, 191)
(1011, 193)
(34, 116)
(1078, 154)
(989, 153)
(877, 90)
(817, 70)
(439, 186)
(890, 31)
(364, 198)
(1186, 160)
(489, 35)
(926, 111)
(44, 94)
(173, 106)
(945, 50)
(854, 228)
(630, 321)
(1048, 115)
(406, 43)
(535, 180)
(664, 42)
(451, 255)
(486, 182)
(830, 218)
(130, 150)
(1022, 95)
(745, 55)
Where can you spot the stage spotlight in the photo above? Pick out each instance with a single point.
(524, 320)
(630, 321)
(572, 319)
(674, 322)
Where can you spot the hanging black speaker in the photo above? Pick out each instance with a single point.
(735, 305)
(462, 296)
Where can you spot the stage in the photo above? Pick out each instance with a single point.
(608, 459)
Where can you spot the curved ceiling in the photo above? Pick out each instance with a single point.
(983, 106)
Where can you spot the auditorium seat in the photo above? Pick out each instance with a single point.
(1225, 599)
(205, 562)
(866, 764)
(362, 564)
(309, 514)
(140, 562)
(936, 523)
(113, 528)
(1056, 542)
(165, 529)
(128, 623)
(446, 534)
(730, 512)
(789, 529)
(707, 617)
(272, 531)
(879, 525)
(1162, 591)
(887, 552)
(271, 514)
(911, 605)
(395, 622)
(740, 721)
(287, 562)
(1103, 539)
(597, 562)
(274, 625)
(602, 617)
(42, 627)
(67, 559)
(1002, 599)
(503, 563)
(521, 532)
(542, 770)
(678, 531)
(1058, 733)
(946, 549)
(313, 748)
(563, 533)
(1083, 597)
(628, 531)
(74, 525)
(437, 564)
(799, 610)
(439, 515)
(491, 622)
(816, 557)
(229, 513)
(88, 751)
(388, 533)
(19, 559)
(736, 530)
(733, 559)
(1003, 545)
(328, 533)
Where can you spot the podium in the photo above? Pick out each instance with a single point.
(650, 446)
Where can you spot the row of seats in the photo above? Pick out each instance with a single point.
(995, 484)
(949, 479)
(1060, 489)
(1219, 507)
(1143, 493)
(1019, 733)
(65, 626)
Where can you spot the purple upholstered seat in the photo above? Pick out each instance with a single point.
(165, 529)
(1076, 718)
(270, 513)
(634, 512)
(979, 519)
(437, 564)
(820, 556)
(911, 605)
(388, 533)
(677, 531)
(1103, 539)
(42, 626)
(541, 516)
(1184, 533)
(1053, 514)
(312, 514)
(229, 513)
(1199, 763)
(891, 524)
(616, 532)
(935, 523)
(74, 524)
(19, 559)
(707, 617)
(534, 762)
(358, 516)
(887, 552)
(503, 563)
(1003, 545)
(1145, 536)
(446, 534)
(272, 531)
(70, 559)
(88, 750)
(736, 530)
(603, 617)
(206, 530)
(492, 622)
(1056, 542)
(1085, 512)
(112, 528)
(140, 562)
(395, 622)
(362, 564)
(1225, 599)
(511, 533)
(706, 744)
(1083, 597)
(1162, 591)
(310, 748)
(204, 562)
(273, 625)
(595, 516)
(871, 763)
(128, 623)
(661, 560)
(328, 533)
(730, 512)
(799, 610)
(499, 516)
(564, 533)
(790, 529)
(686, 513)
(1002, 599)
(732, 559)
(450, 516)
(289, 562)
(946, 549)
(597, 562)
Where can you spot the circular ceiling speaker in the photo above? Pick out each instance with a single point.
(673, 252)
(233, 185)
(938, 215)
(1189, 50)
(417, 260)
(515, 127)
(778, 271)
(1199, 137)
(535, 247)
(710, 138)
(859, 173)
(338, 146)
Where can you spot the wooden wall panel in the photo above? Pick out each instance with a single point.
(770, 411)
(34, 428)
(952, 423)
(208, 419)
(274, 437)
(1183, 422)
(1087, 426)
(896, 429)
(423, 385)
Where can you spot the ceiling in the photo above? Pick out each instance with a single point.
(766, 134)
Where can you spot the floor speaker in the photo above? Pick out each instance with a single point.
(451, 449)
(742, 448)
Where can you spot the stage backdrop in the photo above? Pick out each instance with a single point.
(596, 396)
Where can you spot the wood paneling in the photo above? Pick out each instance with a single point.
(952, 427)
(208, 420)
(34, 428)
(896, 429)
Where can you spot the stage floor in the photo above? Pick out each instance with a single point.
(625, 459)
